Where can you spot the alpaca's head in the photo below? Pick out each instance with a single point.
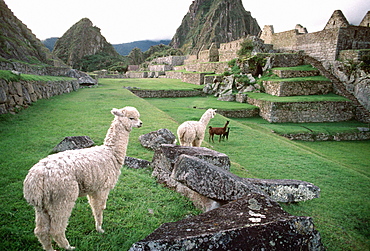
(212, 112)
(128, 115)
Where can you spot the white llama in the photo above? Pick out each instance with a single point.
(54, 183)
(191, 133)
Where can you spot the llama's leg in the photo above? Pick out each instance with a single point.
(42, 229)
(59, 220)
(98, 202)
(197, 142)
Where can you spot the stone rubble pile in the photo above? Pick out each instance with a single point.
(240, 213)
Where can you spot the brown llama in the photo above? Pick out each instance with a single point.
(217, 131)
(226, 134)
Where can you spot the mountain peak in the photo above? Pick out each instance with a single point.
(213, 21)
(19, 43)
(82, 39)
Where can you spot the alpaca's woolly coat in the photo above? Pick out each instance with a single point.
(54, 183)
(69, 174)
(191, 133)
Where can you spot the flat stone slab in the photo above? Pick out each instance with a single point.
(251, 223)
(285, 190)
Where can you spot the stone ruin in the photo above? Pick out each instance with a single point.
(324, 45)
(239, 213)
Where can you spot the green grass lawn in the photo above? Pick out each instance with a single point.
(340, 169)
(152, 83)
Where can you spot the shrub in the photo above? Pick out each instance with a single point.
(246, 48)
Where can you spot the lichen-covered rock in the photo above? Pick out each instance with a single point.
(210, 180)
(73, 143)
(286, 190)
(166, 156)
(136, 163)
(163, 163)
(154, 140)
(251, 223)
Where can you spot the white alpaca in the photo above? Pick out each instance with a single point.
(54, 183)
(191, 133)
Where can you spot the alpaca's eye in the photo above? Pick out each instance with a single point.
(132, 118)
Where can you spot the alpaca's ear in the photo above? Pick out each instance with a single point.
(117, 112)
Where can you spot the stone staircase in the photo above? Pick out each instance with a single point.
(361, 114)
(279, 109)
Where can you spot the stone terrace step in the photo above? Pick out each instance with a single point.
(295, 73)
(303, 112)
(283, 88)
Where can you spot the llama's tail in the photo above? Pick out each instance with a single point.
(33, 187)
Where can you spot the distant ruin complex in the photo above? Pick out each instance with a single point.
(326, 45)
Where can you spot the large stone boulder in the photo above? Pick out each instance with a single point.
(252, 223)
(154, 140)
(164, 161)
(73, 143)
(83, 78)
(211, 181)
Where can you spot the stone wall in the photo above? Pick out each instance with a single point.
(174, 74)
(170, 60)
(210, 55)
(160, 67)
(295, 74)
(216, 67)
(297, 88)
(16, 95)
(304, 112)
(327, 137)
(283, 59)
(137, 74)
(34, 69)
(242, 113)
(194, 77)
(166, 94)
(354, 55)
(228, 51)
(322, 45)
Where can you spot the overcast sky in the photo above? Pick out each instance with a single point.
(123, 21)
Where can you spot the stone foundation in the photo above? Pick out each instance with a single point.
(304, 112)
(297, 88)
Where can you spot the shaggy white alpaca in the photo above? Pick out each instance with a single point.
(191, 133)
(54, 183)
